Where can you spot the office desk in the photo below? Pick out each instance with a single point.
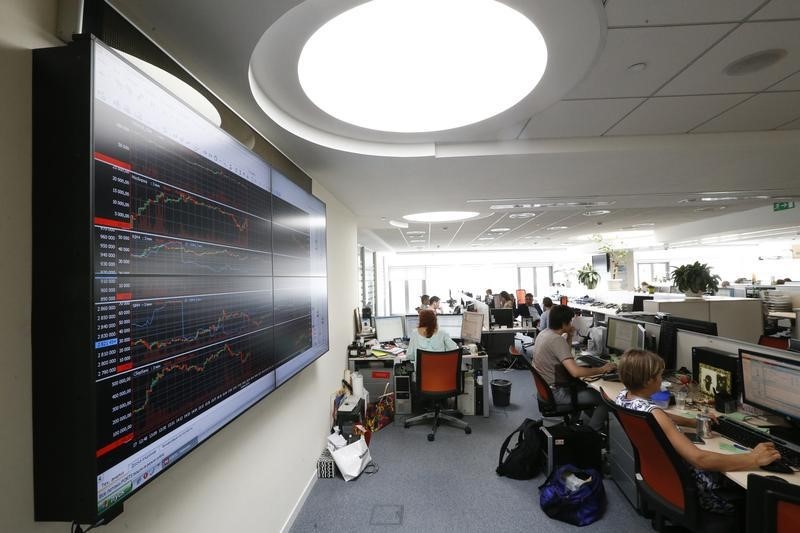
(497, 341)
(718, 444)
(352, 363)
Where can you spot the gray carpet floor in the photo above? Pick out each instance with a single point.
(450, 484)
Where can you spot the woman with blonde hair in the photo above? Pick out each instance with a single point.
(640, 371)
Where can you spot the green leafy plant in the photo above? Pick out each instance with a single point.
(695, 278)
(616, 255)
(588, 276)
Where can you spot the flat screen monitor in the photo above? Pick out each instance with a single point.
(638, 302)
(388, 328)
(771, 382)
(668, 336)
(451, 324)
(624, 334)
(503, 317)
(194, 274)
(715, 371)
(794, 345)
(582, 324)
(601, 263)
(411, 323)
(471, 327)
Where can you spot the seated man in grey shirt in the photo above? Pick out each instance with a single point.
(554, 346)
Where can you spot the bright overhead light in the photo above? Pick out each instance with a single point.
(522, 215)
(596, 213)
(422, 65)
(415, 232)
(499, 230)
(417, 240)
(485, 238)
(398, 224)
(497, 207)
(556, 228)
(441, 216)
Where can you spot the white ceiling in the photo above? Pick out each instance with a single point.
(644, 141)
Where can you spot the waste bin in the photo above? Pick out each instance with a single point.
(501, 392)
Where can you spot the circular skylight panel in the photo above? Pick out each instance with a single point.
(411, 66)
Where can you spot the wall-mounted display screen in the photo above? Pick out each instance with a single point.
(206, 278)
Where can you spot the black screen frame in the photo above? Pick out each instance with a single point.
(668, 336)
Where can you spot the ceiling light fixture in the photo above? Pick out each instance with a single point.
(398, 224)
(442, 78)
(499, 230)
(485, 238)
(596, 213)
(415, 232)
(637, 67)
(556, 228)
(441, 216)
(755, 62)
(417, 240)
(522, 215)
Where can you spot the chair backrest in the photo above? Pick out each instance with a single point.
(773, 505)
(662, 470)
(781, 343)
(438, 373)
(543, 391)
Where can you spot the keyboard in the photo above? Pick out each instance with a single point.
(590, 360)
(751, 437)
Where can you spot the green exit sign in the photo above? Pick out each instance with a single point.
(782, 206)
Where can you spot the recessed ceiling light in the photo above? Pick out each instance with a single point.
(755, 62)
(441, 216)
(596, 213)
(710, 208)
(439, 79)
(637, 67)
(415, 232)
(417, 240)
(499, 230)
(485, 238)
(398, 224)
(522, 215)
(510, 206)
(556, 228)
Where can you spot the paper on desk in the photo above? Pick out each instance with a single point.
(757, 423)
(730, 448)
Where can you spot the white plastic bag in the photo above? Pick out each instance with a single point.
(352, 459)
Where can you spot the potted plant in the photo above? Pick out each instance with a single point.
(695, 279)
(588, 276)
(616, 258)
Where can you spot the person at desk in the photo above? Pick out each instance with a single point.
(553, 346)
(428, 337)
(506, 301)
(640, 372)
(435, 305)
(424, 302)
(528, 309)
(544, 320)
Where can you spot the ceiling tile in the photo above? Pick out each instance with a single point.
(764, 111)
(794, 125)
(664, 12)
(792, 83)
(779, 9)
(674, 114)
(578, 118)
(706, 74)
(665, 51)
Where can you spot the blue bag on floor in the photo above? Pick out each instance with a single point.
(566, 495)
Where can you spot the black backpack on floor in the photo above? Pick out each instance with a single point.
(523, 460)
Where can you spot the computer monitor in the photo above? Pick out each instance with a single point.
(794, 345)
(668, 336)
(411, 323)
(503, 317)
(770, 382)
(715, 371)
(451, 324)
(471, 327)
(388, 328)
(624, 334)
(582, 324)
(638, 302)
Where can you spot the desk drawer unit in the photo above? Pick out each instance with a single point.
(377, 375)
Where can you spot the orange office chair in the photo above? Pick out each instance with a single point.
(666, 487)
(517, 355)
(438, 378)
(773, 505)
(781, 343)
(547, 402)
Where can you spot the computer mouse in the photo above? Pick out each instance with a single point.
(778, 466)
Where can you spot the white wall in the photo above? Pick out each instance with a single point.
(248, 477)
